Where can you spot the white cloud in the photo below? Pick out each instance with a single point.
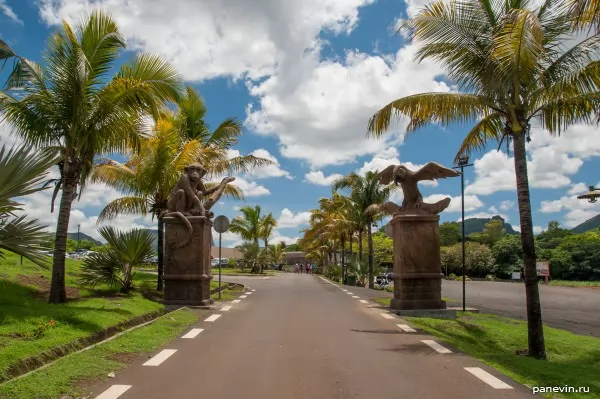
(390, 156)
(319, 178)
(493, 209)
(551, 160)
(577, 188)
(289, 219)
(270, 170)
(577, 211)
(537, 229)
(278, 237)
(471, 202)
(506, 205)
(9, 12)
(250, 188)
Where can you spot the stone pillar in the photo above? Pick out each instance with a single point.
(187, 271)
(417, 263)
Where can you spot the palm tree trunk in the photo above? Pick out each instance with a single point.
(534, 310)
(360, 248)
(351, 241)
(370, 254)
(343, 256)
(58, 293)
(161, 254)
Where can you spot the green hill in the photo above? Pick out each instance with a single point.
(590, 224)
(83, 237)
(472, 225)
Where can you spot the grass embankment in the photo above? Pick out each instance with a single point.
(573, 360)
(29, 326)
(72, 376)
(564, 283)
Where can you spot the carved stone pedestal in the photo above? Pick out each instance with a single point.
(187, 271)
(417, 263)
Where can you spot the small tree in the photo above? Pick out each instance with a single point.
(115, 267)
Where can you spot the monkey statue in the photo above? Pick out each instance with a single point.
(186, 198)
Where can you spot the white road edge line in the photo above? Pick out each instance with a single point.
(253, 290)
(363, 301)
(355, 297)
(236, 301)
(243, 296)
(114, 392)
(248, 293)
(212, 317)
(193, 333)
(488, 378)
(160, 357)
(435, 346)
(387, 316)
(345, 290)
(349, 293)
(406, 328)
(226, 308)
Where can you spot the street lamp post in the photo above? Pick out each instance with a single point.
(592, 195)
(463, 162)
(78, 226)
(221, 225)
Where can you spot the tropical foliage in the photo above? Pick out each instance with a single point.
(512, 68)
(252, 226)
(116, 267)
(22, 173)
(72, 104)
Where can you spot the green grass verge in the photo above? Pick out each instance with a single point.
(73, 375)
(564, 283)
(25, 313)
(573, 360)
(228, 295)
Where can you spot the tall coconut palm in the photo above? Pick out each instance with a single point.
(72, 103)
(267, 224)
(248, 225)
(512, 69)
(22, 174)
(364, 192)
(147, 178)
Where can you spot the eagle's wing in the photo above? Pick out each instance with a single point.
(386, 176)
(433, 171)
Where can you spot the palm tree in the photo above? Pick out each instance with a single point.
(512, 69)
(267, 224)
(115, 267)
(22, 174)
(71, 104)
(147, 178)
(249, 225)
(276, 253)
(364, 192)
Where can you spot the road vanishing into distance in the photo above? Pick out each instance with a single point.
(298, 336)
(573, 309)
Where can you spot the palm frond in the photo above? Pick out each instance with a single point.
(24, 237)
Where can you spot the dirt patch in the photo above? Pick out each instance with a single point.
(41, 285)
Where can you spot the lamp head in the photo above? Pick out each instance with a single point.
(592, 195)
(463, 160)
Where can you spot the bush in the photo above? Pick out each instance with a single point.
(479, 260)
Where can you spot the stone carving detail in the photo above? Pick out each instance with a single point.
(190, 197)
(413, 199)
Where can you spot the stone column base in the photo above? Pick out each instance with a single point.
(187, 290)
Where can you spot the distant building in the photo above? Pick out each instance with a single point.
(226, 253)
(291, 258)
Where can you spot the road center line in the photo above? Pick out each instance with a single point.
(193, 333)
(355, 297)
(247, 293)
(387, 316)
(363, 301)
(114, 392)
(212, 317)
(243, 296)
(253, 290)
(488, 378)
(349, 293)
(406, 328)
(236, 301)
(160, 357)
(435, 346)
(226, 308)
(345, 290)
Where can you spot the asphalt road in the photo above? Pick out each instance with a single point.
(570, 308)
(298, 336)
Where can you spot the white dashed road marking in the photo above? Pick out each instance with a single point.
(243, 296)
(236, 301)
(345, 290)
(435, 346)
(387, 316)
(160, 357)
(212, 317)
(193, 333)
(226, 308)
(114, 392)
(248, 293)
(363, 301)
(355, 297)
(488, 378)
(406, 328)
(253, 290)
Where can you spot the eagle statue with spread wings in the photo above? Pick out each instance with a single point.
(413, 199)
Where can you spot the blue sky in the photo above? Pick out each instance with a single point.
(305, 76)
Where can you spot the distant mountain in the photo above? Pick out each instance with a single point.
(472, 225)
(590, 224)
(476, 225)
(83, 237)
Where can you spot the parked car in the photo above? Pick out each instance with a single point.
(215, 262)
